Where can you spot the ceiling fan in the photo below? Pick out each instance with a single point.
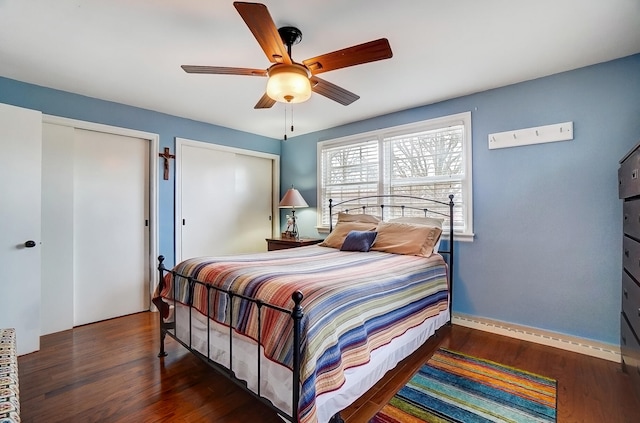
(291, 82)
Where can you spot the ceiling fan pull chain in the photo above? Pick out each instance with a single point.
(285, 122)
(292, 118)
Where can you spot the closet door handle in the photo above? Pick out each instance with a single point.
(30, 244)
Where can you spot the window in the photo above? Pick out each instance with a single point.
(429, 159)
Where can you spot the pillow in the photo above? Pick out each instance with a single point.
(359, 241)
(357, 217)
(427, 221)
(406, 238)
(336, 238)
(417, 220)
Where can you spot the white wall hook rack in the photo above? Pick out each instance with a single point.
(528, 136)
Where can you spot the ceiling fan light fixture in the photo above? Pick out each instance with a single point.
(289, 83)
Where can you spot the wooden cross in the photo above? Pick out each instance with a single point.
(166, 156)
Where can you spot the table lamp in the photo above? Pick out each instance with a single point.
(292, 199)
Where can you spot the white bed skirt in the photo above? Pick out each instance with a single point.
(277, 379)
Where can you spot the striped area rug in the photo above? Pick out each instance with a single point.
(453, 387)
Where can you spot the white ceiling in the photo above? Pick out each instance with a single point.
(130, 51)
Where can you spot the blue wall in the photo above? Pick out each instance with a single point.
(547, 217)
(73, 106)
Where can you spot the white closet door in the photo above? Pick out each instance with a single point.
(20, 155)
(57, 228)
(224, 200)
(111, 238)
(253, 203)
(208, 187)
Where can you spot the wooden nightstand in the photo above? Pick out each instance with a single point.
(284, 243)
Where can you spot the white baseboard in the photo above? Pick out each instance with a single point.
(552, 339)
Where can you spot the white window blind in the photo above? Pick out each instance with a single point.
(350, 171)
(429, 159)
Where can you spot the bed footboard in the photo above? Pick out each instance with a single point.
(168, 327)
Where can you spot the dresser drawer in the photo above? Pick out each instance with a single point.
(631, 218)
(631, 256)
(631, 301)
(630, 349)
(629, 176)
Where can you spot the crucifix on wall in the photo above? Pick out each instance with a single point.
(166, 156)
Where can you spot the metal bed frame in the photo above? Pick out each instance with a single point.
(296, 313)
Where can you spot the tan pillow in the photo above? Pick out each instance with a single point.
(423, 220)
(357, 217)
(336, 238)
(406, 238)
(417, 220)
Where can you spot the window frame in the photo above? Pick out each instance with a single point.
(463, 118)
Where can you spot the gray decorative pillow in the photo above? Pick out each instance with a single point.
(359, 241)
(336, 238)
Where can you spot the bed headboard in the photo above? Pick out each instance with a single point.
(366, 203)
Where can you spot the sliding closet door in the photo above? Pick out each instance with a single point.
(57, 228)
(253, 203)
(111, 236)
(224, 200)
(207, 183)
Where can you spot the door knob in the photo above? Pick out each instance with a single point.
(30, 244)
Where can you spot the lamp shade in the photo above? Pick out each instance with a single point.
(293, 199)
(289, 83)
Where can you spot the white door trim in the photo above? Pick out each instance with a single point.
(154, 139)
(275, 222)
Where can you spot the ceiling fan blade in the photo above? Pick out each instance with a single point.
(350, 56)
(265, 102)
(332, 91)
(259, 21)
(218, 70)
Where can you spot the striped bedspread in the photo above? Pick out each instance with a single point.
(353, 303)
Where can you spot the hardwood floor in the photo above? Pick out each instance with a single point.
(109, 372)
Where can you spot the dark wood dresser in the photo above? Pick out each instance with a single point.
(629, 191)
(284, 243)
